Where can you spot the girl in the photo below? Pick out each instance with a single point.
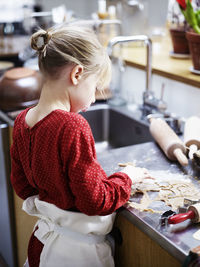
(54, 164)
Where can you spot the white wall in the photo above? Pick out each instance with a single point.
(182, 99)
(82, 8)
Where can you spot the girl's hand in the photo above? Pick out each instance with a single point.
(136, 174)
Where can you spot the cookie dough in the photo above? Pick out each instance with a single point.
(168, 189)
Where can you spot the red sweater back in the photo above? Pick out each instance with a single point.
(56, 159)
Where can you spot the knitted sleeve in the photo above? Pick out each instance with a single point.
(95, 193)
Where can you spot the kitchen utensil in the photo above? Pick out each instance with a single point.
(165, 216)
(193, 213)
(169, 142)
(189, 202)
(19, 88)
(192, 134)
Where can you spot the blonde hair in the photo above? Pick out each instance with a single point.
(71, 44)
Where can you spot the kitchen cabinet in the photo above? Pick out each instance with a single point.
(138, 249)
(7, 233)
(23, 225)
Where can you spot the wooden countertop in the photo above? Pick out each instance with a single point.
(162, 63)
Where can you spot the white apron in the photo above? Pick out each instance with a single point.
(71, 239)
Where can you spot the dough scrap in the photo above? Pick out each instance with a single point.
(170, 190)
(126, 164)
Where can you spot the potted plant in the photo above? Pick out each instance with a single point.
(177, 31)
(191, 12)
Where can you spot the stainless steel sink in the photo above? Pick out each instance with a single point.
(116, 127)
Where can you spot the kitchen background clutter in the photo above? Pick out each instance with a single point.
(146, 74)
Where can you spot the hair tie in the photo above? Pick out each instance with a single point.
(42, 42)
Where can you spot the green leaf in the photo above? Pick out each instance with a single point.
(196, 28)
(197, 14)
(191, 17)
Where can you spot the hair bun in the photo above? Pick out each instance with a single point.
(40, 39)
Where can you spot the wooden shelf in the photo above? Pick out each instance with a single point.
(162, 63)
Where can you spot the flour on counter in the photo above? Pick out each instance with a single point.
(170, 188)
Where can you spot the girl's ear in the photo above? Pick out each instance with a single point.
(76, 74)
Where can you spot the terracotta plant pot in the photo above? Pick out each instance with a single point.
(194, 44)
(179, 41)
(19, 88)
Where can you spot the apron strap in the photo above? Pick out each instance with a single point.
(45, 227)
(85, 238)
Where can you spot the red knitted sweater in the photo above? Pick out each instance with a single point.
(56, 159)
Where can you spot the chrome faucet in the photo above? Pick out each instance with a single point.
(150, 102)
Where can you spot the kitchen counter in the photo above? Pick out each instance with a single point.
(162, 63)
(177, 243)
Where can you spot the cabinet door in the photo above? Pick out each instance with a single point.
(7, 232)
(23, 225)
(138, 250)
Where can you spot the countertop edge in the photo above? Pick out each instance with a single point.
(165, 74)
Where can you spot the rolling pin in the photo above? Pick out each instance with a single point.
(192, 134)
(193, 213)
(169, 142)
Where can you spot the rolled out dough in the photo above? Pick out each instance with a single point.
(171, 188)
